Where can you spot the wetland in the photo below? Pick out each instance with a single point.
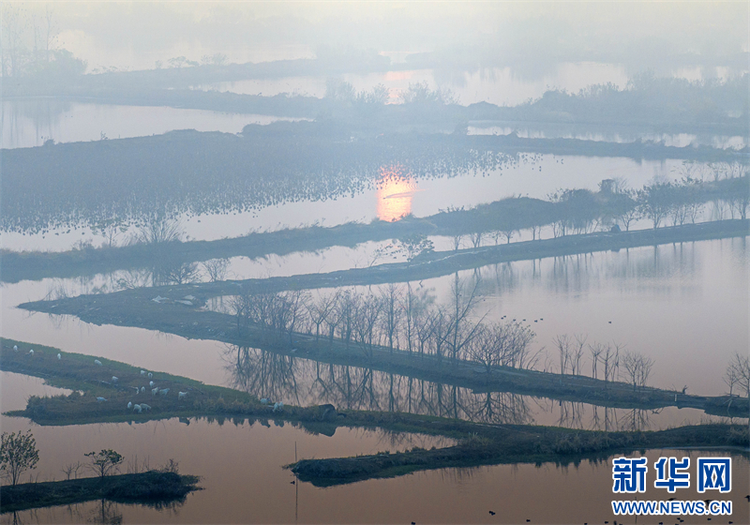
(363, 276)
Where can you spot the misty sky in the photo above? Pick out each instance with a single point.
(134, 35)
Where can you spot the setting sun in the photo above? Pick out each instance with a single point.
(395, 192)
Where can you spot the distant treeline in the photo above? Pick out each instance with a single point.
(667, 104)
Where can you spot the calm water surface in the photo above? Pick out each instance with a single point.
(534, 176)
(501, 86)
(31, 122)
(684, 305)
(241, 466)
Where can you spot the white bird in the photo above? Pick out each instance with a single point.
(31, 352)
(136, 390)
(114, 379)
(101, 399)
(151, 384)
(144, 406)
(164, 391)
(137, 408)
(59, 356)
(143, 389)
(150, 375)
(15, 348)
(130, 404)
(278, 406)
(154, 391)
(97, 362)
(143, 372)
(181, 395)
(264, 401)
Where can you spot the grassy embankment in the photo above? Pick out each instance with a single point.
(479, 444)
(512, 444)
(150, 488)
(136, 308)
(441, 263)
(79, 372)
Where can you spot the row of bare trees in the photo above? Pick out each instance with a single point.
(611, 357)
(398, 317)
(275, 376)
(402, 318)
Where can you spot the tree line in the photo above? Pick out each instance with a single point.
(405, 318)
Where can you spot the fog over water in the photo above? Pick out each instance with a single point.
(132, 132)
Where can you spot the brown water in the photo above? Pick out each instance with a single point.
(685, 306)
(241, 469)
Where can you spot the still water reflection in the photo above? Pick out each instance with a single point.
(306, 382)
(31, 122)
(395, 191)
(501, 86)
(528, 175)
(685, 306)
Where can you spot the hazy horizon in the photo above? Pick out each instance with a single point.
(526, 35)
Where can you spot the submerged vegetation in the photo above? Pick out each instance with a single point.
(186, 173)
(158, 242)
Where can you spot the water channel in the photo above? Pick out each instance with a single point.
(684, 305)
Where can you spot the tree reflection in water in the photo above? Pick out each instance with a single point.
(106, 513)
(304, 382)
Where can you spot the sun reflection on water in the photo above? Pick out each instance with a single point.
(395, 192)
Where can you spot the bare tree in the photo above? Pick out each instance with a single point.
(389, 300)
(577, 353)
(177, 274)
(611, 361)
(731, 378)
(596, 350)
(739, 371)
(72, 469)
(564, 346)
(503, 344)
(295, 304)
(366, 314)
(158, 229)
(460, 328)
(320, 310)
(347, 311)
(637, 367)
(216, 269)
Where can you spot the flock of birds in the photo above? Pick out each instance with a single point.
(136, 407)
(522, 320)
(155, 391)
